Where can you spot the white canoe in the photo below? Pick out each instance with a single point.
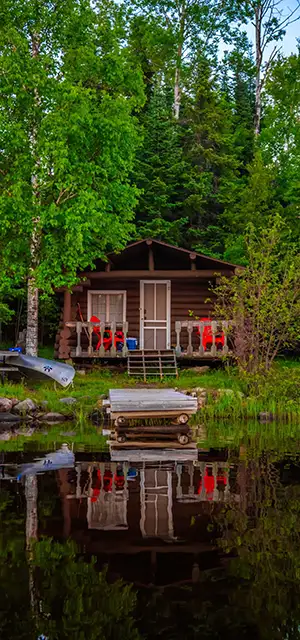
(42, 369)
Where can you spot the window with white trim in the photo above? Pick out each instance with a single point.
(108, 306)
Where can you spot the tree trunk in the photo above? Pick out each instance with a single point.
(32, 290)
(258, 63)
(177, 94)
(177, 80)
(32, 317)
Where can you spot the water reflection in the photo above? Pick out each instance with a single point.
(210, 544)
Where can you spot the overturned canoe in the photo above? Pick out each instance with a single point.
(42, 369)
(64, 458)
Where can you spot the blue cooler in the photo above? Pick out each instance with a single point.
(131, 344)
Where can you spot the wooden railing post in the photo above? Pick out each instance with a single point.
(112, 326)
(213, 331)
(190, 326)
(201, 330)
(90, 333)
(125, 332)
(78, 331)
(101, 349)
(225, 332)
(178, 331)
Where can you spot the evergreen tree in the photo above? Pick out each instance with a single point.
(212, 159)
(159, 171)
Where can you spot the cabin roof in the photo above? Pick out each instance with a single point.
(165, 256)
(188, 252)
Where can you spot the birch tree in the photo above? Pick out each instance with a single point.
(270, 19)
(193, 29)
(68, 140)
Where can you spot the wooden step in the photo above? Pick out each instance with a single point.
(152, 363)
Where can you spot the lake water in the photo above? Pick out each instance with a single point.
(124, 547)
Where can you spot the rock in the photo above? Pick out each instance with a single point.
(10, 417)
(266, 416)
(97, 417)
(6, 435)
(68, 434)
(26, 406)
(44, 404)
(81, 372)
(25, 432)
(5, 405)
(68, 400)
(201, 370)
(53, 417)
(226, 392)
(202, 401)
(14, 401)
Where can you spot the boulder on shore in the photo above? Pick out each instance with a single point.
(26, 406)
(5, 404)
(68, 400)
(53, 417)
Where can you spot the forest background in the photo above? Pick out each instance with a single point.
(175, 119)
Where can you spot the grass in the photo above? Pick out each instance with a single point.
(280, 394)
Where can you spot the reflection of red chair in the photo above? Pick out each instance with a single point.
(107, 480)
(207, 336)
(96, 487)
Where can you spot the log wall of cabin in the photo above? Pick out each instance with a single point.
(186, 295)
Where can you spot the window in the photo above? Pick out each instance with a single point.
(108, 306)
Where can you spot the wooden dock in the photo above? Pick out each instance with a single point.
(153, 451)
(151, 403)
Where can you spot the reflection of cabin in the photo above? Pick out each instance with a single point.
(147, 521)
(147, 292)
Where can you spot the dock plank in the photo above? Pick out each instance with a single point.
(139, 400)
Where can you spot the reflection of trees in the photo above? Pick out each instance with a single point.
(77, 601)
(72, 599)
(264, 532)
(15, 612)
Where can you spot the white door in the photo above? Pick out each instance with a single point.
(155, 314)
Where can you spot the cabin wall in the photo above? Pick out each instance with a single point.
(186, 295)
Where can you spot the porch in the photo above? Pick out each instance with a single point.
(193, 339)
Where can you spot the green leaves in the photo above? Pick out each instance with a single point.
(66, 118)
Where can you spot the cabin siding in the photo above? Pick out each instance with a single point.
(186, 296)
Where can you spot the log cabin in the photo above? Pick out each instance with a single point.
(154, 296)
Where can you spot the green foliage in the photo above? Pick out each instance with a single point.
(76, 598)
(66, 119)
(262, 302)
(159, 172)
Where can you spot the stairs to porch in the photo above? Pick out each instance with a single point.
(149, 364)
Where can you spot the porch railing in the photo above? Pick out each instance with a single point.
(85, 332)
(192, 333)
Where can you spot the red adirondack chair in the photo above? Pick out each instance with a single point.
(207, 336)
(107, 336)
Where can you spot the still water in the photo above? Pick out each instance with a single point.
(127, 546)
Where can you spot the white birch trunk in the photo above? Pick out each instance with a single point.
(32, 289)
(258, 63)
(177, 79)
(177, 94)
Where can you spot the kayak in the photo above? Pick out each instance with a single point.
(64, 458)
(42, 369)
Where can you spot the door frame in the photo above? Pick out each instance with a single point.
(168, 320)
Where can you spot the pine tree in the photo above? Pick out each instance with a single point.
(159, 171)
(212, 160)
